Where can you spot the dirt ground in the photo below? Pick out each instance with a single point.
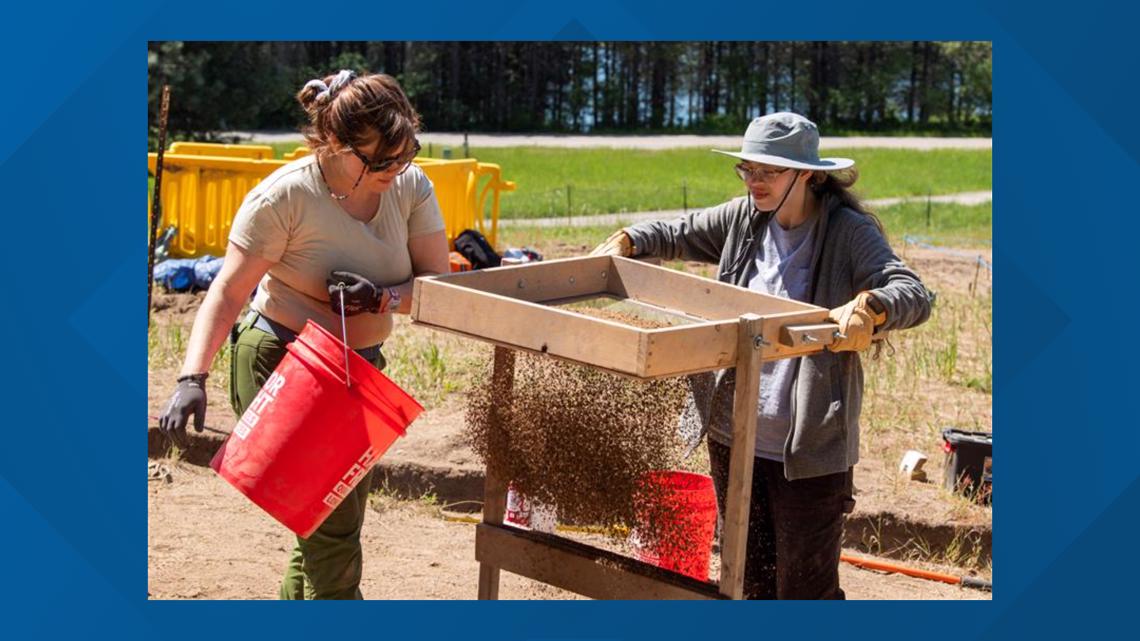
(206, 541)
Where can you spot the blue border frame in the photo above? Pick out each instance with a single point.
(71, 489)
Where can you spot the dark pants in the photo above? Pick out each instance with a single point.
(328, 564)
(794, 529)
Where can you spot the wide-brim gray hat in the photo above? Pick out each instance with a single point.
(785, 140)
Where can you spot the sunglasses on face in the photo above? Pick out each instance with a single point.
(757, 173)
(403, 161)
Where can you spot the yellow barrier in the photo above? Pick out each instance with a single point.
(449, 177)
(477, 203)
(253, 152)
(295, 154)
(202, 190)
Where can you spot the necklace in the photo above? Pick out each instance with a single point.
(333, 194)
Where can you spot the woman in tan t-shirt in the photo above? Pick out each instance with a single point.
(355, 212)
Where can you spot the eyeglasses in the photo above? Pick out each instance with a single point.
(380, 166)
(757, 173)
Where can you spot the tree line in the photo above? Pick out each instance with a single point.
(591, 86)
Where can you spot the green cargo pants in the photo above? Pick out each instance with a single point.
(328, 564)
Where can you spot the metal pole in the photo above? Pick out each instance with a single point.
(466, 151)
(156, 206)
(928, 209)
(977, 270)
(685, 195)
(569, 205)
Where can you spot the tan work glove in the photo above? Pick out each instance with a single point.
(857, 321)
(618, 244)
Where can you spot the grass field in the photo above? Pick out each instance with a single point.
(617, 180)
(949, 224)
(555, 182)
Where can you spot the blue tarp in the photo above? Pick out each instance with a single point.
(517, 255)
(186, 274)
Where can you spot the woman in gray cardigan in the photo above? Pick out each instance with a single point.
(801, 234)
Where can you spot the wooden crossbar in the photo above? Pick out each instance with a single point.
(582, 569)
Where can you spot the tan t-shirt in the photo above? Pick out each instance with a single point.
(290, 219)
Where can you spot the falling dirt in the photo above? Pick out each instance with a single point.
(582, 440)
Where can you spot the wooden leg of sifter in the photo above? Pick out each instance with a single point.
(495, 487)
(734, 536)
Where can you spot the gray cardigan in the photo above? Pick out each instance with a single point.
(850, 255)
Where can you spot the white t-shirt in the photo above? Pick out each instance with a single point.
(782, 267)
(291, 220)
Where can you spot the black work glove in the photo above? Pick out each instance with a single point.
(189, 398)
(360, 294)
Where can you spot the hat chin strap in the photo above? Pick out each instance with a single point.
(784, 198)
(742, 260)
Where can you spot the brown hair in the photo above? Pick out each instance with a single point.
(837, 184)
(357, 112)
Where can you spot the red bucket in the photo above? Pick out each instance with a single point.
(307, 439)
(682, 513)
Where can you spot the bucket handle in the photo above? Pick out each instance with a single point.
(344, 335)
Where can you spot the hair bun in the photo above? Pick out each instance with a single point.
(355, 110)
(317, 93)
(340, 81)
(314, 94)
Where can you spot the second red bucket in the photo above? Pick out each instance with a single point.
(308, 438)
(676, 522)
